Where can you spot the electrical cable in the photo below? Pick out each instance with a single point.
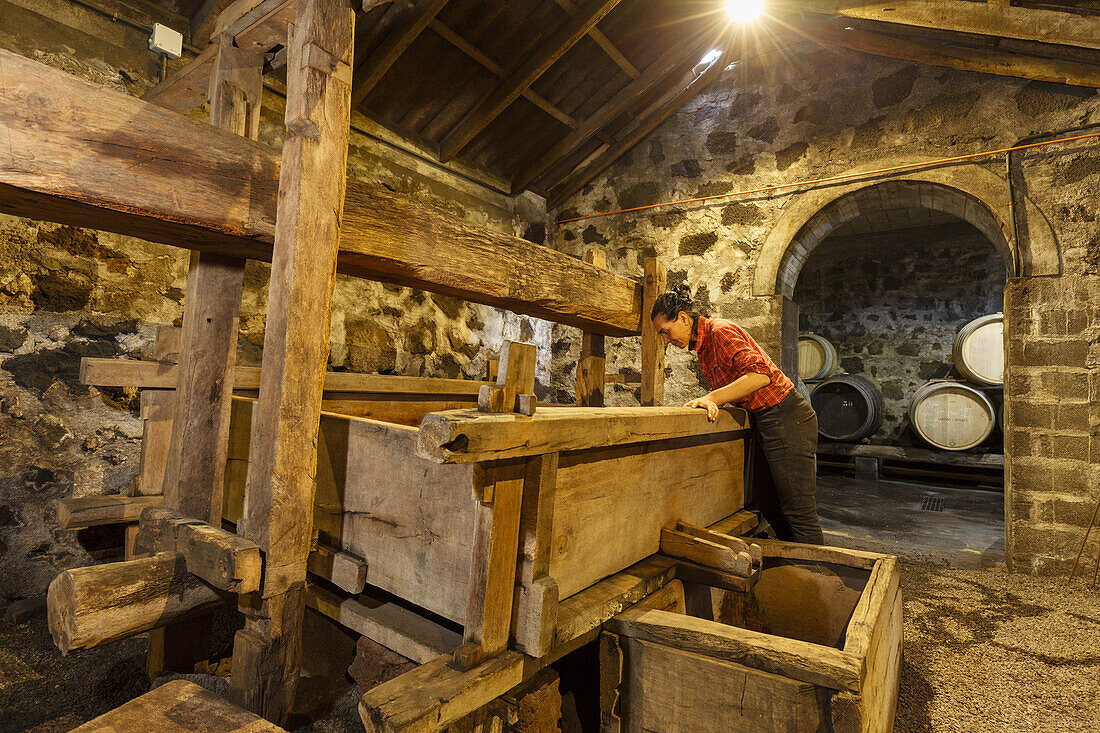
(834, 179)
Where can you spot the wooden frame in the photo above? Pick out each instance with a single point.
(784, 683)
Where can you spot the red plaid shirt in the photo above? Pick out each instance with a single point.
(726, 353)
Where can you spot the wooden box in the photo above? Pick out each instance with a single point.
(814, 646)
(593, 487)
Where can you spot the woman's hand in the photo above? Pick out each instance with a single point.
(707, 404)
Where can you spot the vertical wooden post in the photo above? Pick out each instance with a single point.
(493, 567)
(194, 471)
(278, 503)
(653, 349)
(590, 368)
(536, 603)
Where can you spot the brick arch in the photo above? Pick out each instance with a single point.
(970, 195)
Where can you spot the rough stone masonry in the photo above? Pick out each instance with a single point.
(812, 112)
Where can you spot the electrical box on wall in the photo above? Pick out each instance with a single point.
(166, 41)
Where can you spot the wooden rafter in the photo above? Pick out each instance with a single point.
(660, 70)
(657, 113)
(603, 42)
(960, 16)
(529, 94)
(492, 106)
(374, 67)
(986, 61)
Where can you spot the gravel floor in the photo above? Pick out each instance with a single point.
(984, 651)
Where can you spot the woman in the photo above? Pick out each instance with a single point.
(740, 373)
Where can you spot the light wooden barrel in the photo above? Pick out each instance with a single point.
(979, 350)
(848, 407)
(951, 415)
(816, 357)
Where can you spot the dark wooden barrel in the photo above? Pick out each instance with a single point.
(849, 407)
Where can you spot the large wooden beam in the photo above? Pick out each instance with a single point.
(375, 66)
(466, 436)
(282, 458)
(105, 160)
(498, 100)
(603, 42)
(668, 63)
(187, 87)
(101, 603)
(960, 16)
(985, 61)
(653, 346)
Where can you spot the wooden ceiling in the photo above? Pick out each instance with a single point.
(546, 94)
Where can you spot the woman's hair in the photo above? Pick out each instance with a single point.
(671, 302)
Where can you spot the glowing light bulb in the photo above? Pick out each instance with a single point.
(710, 57)
(744, 11)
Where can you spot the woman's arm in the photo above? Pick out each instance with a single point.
(735, 390)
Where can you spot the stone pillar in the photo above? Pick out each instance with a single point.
(1052, 419)
(762, 317)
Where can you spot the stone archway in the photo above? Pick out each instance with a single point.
(973, 194)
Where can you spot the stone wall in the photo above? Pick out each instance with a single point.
(891, 304)
(67, 293)
(812, 112)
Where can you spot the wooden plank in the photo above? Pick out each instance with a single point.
(188, 86)
(375, 66)
(102, 603)
(705, 552)
(344, 570)
(152, 375)
(590, 367)
(179, 706)
(797, 660)
(653, 346)
(622, 378)
(435, 695)
(166, 345)
(612, 674)
(93, 511)
(977, 460)
(536, 603)
(86, 172)
(389, 624)
(670, 62)
(224, 560)
(280, 487)
(493, 567)
(984, 61)
(464, 436)
(737, 524)
(985, 19)
(498, 100)
(819, 553)
(668, 598)
(672, 689)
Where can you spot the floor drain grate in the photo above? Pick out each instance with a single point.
(932, 504)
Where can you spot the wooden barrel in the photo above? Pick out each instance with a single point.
(951, 415)
(848, 407)
(816, 357)
(979, 353)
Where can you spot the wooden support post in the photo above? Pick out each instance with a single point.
(278, 504)
(653, 348)
(515, 386)
(493, 567)
(536, 603)
(590, 368)
(194, 473)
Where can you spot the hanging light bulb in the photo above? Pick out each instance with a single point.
(744, 11)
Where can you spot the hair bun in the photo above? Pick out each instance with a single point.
(683, 291)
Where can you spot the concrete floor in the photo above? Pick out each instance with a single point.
(967, 530)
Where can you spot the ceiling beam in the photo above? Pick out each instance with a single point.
(498, 100)
(669, 63)
(648, 121)
(985, 61)
(960, 16)
(472, 51)
(603, 42)
(375, 66)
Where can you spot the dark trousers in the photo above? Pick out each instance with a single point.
(787, 437)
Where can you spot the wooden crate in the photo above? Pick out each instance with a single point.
(730, 663)
(585, 514)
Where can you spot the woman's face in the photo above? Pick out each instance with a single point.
(676, 332)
